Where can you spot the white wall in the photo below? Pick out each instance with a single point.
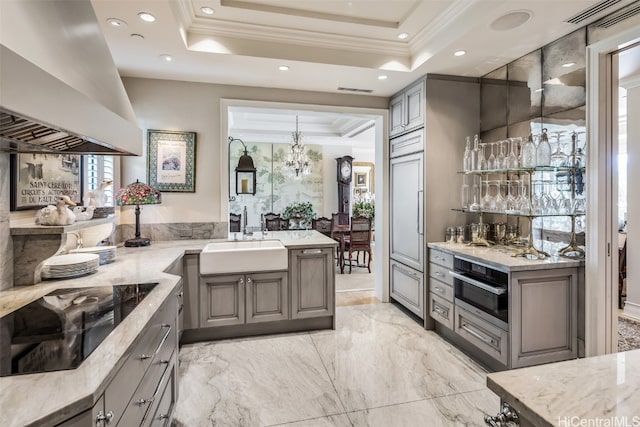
(195, 107)
(632, 305)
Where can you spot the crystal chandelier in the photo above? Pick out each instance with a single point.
(297, 160)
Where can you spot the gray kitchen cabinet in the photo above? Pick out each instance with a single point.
(441, 310)
(543, 316)
(406, 109)
(441, 295)
(235, 299)
(191, 298)
(312, 278)
(485, 336)
(147, 382)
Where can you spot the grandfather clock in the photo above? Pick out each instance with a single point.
(344, 182)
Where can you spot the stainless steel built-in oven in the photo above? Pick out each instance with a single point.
(483, 287)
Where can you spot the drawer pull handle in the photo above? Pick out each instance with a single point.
(180, 295)
(439, 274)
(478, 335)
(146, 356)
(144, 401)
(312, 251)
(163, 416)
(439, 289)
(102, 418)
(164, 338)
(441, 312)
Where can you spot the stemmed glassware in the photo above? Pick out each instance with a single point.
(523, 204)
(501, 159)
(498, 204)
(510, 200)
(491, 161)
(482, 161)
(558, 157)
(486, 202)
(512, 159)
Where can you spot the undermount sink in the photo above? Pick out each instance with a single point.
(243, 256)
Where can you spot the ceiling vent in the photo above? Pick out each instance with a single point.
(592, 11)
(351, 89)
(619, 16)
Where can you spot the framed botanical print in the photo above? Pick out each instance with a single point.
(38, 180)
(172, 160)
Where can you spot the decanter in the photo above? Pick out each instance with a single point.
(475, 154)
(466, 159)
(529, 153)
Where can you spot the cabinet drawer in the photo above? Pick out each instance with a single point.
(485, 336)
(440, 310)
(440, 273)
(407, 287)
(441, 289)
(406, 144)
(441, 258)
(162, 414)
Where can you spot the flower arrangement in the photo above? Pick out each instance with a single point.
(366, 209)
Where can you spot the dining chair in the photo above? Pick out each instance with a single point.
(323, 224)
(359, 240)
(234, 222)
(340, 218)
(272, 221)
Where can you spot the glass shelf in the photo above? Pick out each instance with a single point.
(518, 214)
(527, 170)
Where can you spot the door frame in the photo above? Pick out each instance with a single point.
(381, 251)
(601, 234)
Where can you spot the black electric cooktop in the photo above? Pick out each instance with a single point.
(61, 329)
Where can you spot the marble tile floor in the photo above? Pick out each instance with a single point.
(346, 298)
(378, 368)
(359, 279)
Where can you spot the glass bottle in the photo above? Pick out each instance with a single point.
(475, 153)
(543, 151)
(529, 153)
(466, 159)
(482, 160)
(465, 193)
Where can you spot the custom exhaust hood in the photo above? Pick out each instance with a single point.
(60, 91)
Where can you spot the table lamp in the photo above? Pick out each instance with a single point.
(138, 193)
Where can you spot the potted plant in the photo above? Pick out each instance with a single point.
(366, 209)
(299, 214)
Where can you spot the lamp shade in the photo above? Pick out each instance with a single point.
(138, 193)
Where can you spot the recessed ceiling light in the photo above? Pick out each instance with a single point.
(403, 36)
(137, 36)
(147, 17)
(568, 64)
(207, 10)
(283, 68)
(166, 57)
(460, 52)
(382, 77)
(115, 22)
(511, 20)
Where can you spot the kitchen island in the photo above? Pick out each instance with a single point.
(51, 398)
(507, 312)
(595, 391)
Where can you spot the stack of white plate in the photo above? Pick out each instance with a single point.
(107, 254)
(70, 265)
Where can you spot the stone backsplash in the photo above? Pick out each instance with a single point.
(173, 231)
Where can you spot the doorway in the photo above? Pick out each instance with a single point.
(605, 64)
(378, 130)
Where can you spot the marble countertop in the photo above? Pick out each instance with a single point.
(602, 390)
(501, 257)
(26, 399)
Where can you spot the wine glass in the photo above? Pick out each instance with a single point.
(499, 204)
(512, 159)
(523, 204)
(482, 161)
(510, 200)
(491, 161)
(501, 160)
(558, 157)
(487, 201)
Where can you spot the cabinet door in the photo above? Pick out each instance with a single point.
(407, 214)
(91, 417)
(407, 287)
(267, 297)
(546, 325)
(222, 300)
(415, 106)
(190, 278)
(312, 282)
(396, 115)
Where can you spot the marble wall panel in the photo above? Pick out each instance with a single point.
(173, 231)
(6, 246)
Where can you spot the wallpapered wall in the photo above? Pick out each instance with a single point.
(276, 186)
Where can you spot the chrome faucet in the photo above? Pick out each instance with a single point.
(244, 223)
